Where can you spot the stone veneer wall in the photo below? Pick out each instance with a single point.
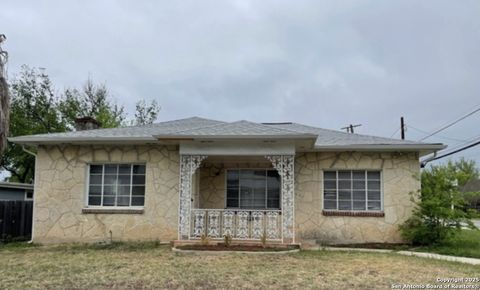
(60, 195)
(400, 173)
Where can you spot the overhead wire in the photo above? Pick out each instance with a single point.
(450, 124)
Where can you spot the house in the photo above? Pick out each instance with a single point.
(181, 179)
(16, 191)
(471, 192)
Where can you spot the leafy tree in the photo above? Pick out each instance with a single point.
(439, 213)
(463, 170)
(36, 109)
(92, 101)
(146, 114)
(33, 110)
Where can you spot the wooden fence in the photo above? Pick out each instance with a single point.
(15, 220)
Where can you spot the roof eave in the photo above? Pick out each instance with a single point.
(89, 140)
(423, 149)
(16, 185)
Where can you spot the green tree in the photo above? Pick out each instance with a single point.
(33, 110)
(36, 109)
(463, 170)
(146, 113)
(439, 213)
(92, 101)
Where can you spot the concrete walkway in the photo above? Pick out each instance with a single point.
(476, 222)
(471, 261)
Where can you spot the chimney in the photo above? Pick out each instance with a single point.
(86, 123)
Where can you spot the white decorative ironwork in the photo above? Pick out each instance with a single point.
(242, 225)
(272, 225)
(199, 223)
(229, 223)
(188, 166)
(214, 224)
(284, 164)
(257, 225)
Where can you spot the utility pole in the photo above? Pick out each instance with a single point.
(402, 127)
(4, 97)
(350, 128)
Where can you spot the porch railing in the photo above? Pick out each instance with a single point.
(238, 224)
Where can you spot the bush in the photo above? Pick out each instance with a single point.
(439, 213)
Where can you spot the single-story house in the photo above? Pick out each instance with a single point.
(16, 191)
(188, 178)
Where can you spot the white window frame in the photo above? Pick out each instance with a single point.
(366, 190)
(266, 190)
(87, 186)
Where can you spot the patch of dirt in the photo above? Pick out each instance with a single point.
(382, 246)
(242, 248)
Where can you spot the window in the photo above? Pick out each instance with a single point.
(352, 190)
(253, 189)
(116, 185)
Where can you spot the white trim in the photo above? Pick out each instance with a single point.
(380, 147)
(238, 148)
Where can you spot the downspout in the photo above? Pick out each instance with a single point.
(34, 191)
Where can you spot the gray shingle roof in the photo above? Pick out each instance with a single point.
(238, 129)
(328, 137)
(196, 127)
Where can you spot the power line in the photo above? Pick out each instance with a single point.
(450, 153)
(395, 132)
(473, 139)
(450, 124)
(440, 136)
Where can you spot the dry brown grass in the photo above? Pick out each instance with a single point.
(127, 266)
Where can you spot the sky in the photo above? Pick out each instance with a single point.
(322, 63)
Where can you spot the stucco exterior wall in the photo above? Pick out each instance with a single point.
(61, 193)
(400, 173)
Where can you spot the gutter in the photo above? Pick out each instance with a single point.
(34, 191)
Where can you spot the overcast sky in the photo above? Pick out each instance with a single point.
(323, 63)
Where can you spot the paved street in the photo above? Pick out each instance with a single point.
(477, 223)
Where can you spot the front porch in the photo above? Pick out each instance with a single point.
(224, 196)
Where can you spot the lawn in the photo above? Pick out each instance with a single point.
(466, 244)
(137, 266)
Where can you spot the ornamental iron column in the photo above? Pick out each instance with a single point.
(188, 165)
(284, 164)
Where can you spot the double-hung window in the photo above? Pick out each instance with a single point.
(120, 185)
(352, 190)
(253, 189)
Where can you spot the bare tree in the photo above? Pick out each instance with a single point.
(4, 97)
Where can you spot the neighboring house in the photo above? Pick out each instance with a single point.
(471, 191)
(16, 191)
(181, 179)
